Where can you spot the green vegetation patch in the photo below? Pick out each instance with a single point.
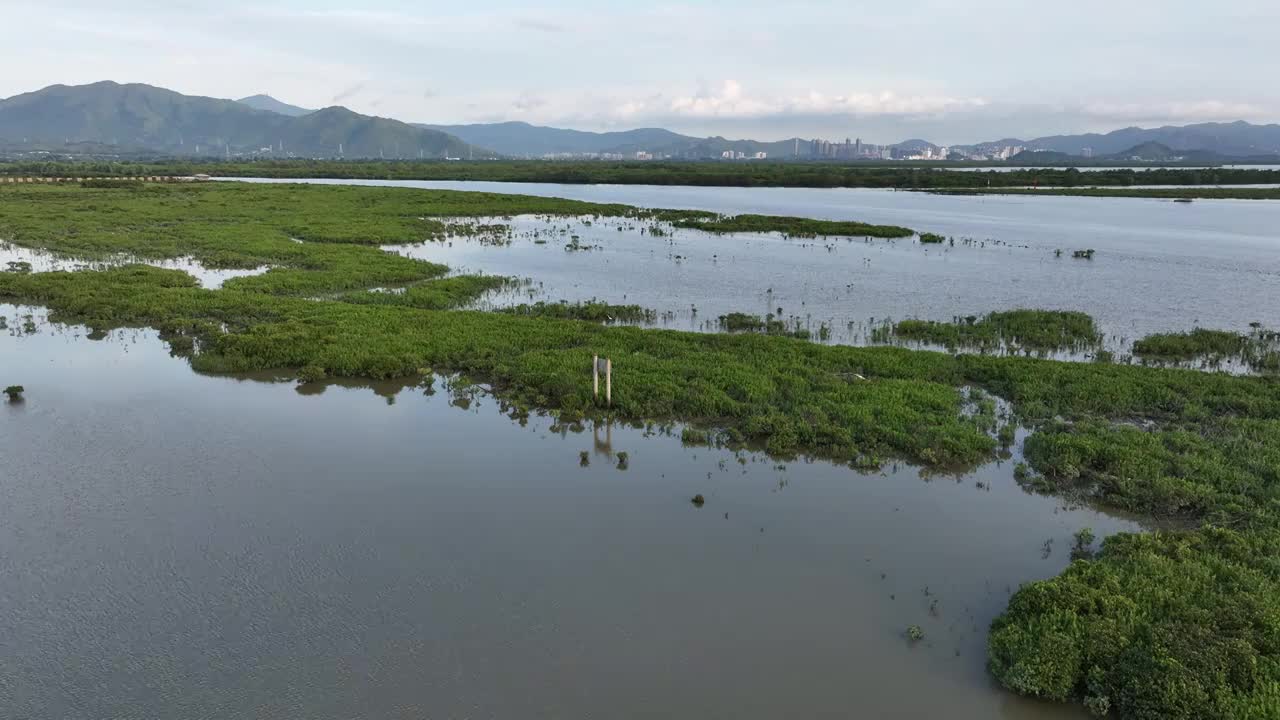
(791, 226)
(590, 311)
(1259, 350)
(443, 294)
(1041, 330)
(737, 322)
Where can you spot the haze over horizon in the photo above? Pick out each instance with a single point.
(884, 71)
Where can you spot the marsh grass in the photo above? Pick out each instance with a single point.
(790, 226)
(1036, 330)
(590, 311)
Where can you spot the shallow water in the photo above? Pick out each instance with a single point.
(179, 545)
(1159, 267)
(44, 261)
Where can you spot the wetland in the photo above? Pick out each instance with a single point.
(375, 494)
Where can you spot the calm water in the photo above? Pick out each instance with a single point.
(44, 261)
(1160, 266)
(176, 545)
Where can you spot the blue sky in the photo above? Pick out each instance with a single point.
(884, 71)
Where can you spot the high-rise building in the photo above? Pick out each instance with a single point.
(857, 147)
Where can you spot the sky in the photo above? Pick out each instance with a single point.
(884, 71)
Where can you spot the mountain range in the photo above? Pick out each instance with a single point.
(141, 118)
(111, 117)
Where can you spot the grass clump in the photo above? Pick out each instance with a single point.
(443, 294)
(1196, 343)
(737, 322)
(592, 311)
(1039, 330)
(791, 226)
(1259, 350)
(693, 436)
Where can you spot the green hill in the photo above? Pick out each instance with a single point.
(141, 117)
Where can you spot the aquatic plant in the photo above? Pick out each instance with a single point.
(623, 460)
(591, 311)
(14, 392)
(1040, 330)
(698, 500)
(1186, 345)
(791, 226)
(1082, 254)
(691, 436)
(1259, 350)
(18, 266)
(742, 322)
(584, 458)
(928, 238)
(915, 633)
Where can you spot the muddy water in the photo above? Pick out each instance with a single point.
(179, 545)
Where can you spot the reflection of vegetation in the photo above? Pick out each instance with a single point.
(1171, 624)
(1042, 330)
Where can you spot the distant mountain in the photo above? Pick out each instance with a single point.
(270, 104)
(141, 117)
(523, 139)
(519, 139)
(1223, 139)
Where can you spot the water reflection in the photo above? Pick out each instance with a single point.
(175, 543)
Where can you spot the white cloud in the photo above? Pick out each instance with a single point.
(731, 101)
